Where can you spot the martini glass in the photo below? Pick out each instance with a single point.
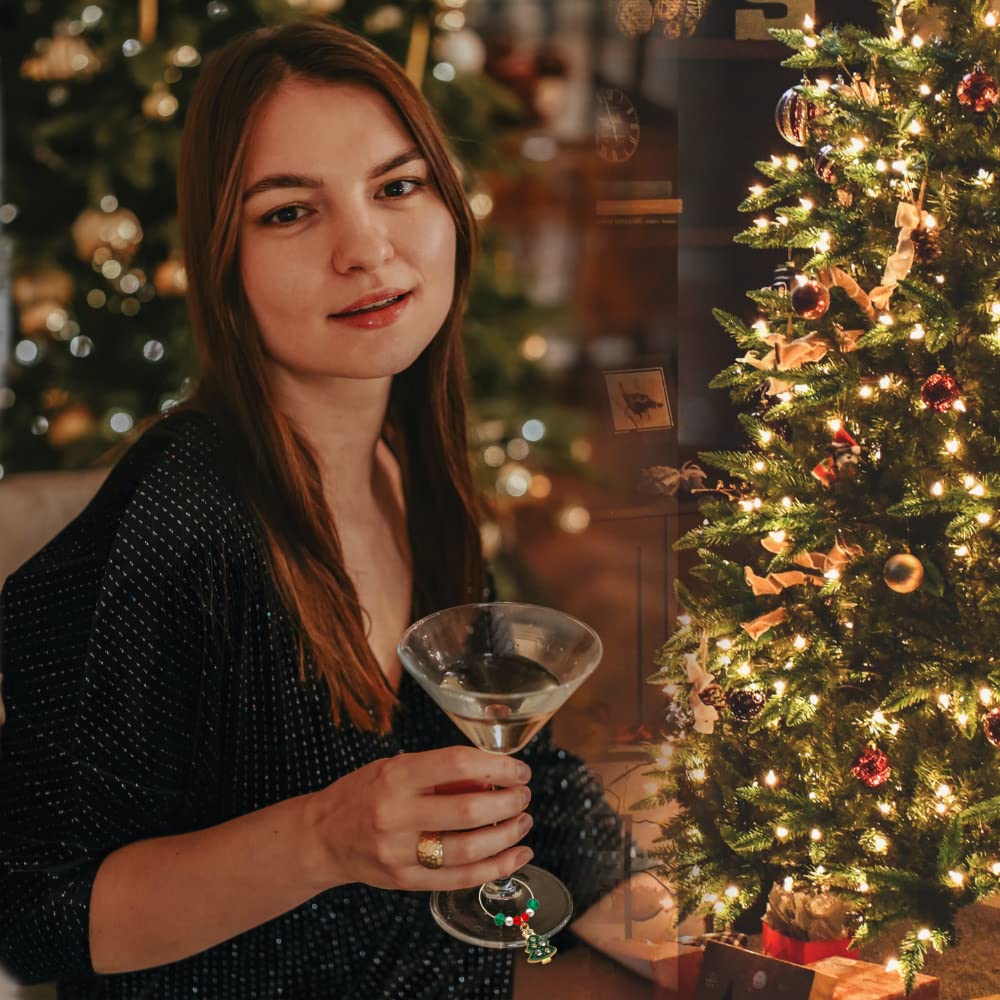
(500, 671)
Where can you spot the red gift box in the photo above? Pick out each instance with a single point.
(779, 945)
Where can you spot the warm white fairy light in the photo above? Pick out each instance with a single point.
(865, 392)
(761, 222)
(792, 162)
(766, 437)
(807, 204)
(962, 718)
(937, 488)
(886, 320)
(809, 41)
(984, 517)
(925, 89)
(892, 965)
(884, 808)
(789, 883)
(816, 834)
(944, 701)
(880, 844)
(808, 23)
(952, 445)
(941, 808)
(899, 166)
(917, 42)
(986, 696)
(915, 127)
(856, 144)
(744, 670)
(777, 536)
(960, 405)
(770, 779)
(990, 20)
(814, 700)
(782, 220)
(881, 166)
(756, 190)
(761, 328)
(786, 501)
(759, 466)
(799, 642)
(781, 832)
(785, 397)
(884, 382)
(775, 160)
(823, 85)
(968, 481)
(957, 878)
(942, 791)
(779, 687)
(995, 310)
(724, 643)
(698, 774)
(995, 867)
(835, 423)
(732, 892)
(832, 573)
(918, 332)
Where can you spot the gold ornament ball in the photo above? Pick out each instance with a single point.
(903, 573)
(70, 425)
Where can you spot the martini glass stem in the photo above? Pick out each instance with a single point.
(502, 888)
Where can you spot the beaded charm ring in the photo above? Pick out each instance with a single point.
(538, 948)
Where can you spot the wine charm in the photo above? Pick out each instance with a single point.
(538, 949)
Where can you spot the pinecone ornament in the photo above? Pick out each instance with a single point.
(926, 245)
(713, 695)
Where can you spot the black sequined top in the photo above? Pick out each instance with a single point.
(150, 692)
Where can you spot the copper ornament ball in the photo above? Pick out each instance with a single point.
(991, 726)
(825, 169)
(810, 299)
(793, 115)
(871, 767)
(940, 392)
(978, 90)
(903, 573)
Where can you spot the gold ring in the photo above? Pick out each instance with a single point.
(430, 850)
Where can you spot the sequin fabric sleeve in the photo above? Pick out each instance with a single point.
(107, 652)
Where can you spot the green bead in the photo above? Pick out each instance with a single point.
(533, 903)
(498, 919)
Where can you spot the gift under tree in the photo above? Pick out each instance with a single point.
(834, 677)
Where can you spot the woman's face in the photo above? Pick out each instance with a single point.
(338, 204)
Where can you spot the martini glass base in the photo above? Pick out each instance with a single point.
(459, 913)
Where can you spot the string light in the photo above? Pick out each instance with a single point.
(770, 779)
(865, 392)
(892, 965)
(962, 551)
(744, 670)
(781, 832)
(799, 642)
(937, 489)
(925, 89)
(884, 382)
(990, 20)
(915, 127)
(952, 446)
(732, 892)
(986, 696)
(957, 878)
(779, 687)
(816, 834)
(789, 883)
(917, 42)
(995, 868)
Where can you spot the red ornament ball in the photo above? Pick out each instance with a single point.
(991, 726)
(871, 767)
(746, 705)
(978, 90)
(940, 392)
(793, 115)
(810, 299)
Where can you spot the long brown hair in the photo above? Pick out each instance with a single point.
(276, 470)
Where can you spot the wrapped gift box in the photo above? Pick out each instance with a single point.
(789, 949)
(863, 981)
(674, 967)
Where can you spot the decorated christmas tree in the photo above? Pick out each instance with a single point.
(833, 723)
(95, 96)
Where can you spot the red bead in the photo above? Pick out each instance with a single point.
(517, 921)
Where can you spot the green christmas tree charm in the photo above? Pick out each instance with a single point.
(538, 948)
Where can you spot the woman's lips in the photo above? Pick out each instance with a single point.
(374, 318)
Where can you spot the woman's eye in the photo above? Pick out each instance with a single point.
(285, 220)
(396, 185)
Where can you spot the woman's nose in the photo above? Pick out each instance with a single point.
(359, 241)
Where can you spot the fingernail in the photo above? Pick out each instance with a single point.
(525, 856)
(525, 822)
(523, 771)
(525, 795)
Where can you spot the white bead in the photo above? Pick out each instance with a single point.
(509, 921)
(530, 912)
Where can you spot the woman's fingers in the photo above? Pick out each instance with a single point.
(469, 876)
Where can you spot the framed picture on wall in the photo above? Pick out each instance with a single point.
(639, 400)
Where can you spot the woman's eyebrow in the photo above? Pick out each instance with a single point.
(289, 180)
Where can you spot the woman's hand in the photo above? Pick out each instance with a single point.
(365, 826)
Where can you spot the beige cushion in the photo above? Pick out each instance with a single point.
(36, 506)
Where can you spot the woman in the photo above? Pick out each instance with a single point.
(203, 773)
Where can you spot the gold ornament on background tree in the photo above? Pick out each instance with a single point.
(793, 116)
(680, 17)
(903, 573)
(119, 231)
(70, 425)
(810, 299)
(65, 57)
(170, 277)
(40, 294)
(159, 105)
